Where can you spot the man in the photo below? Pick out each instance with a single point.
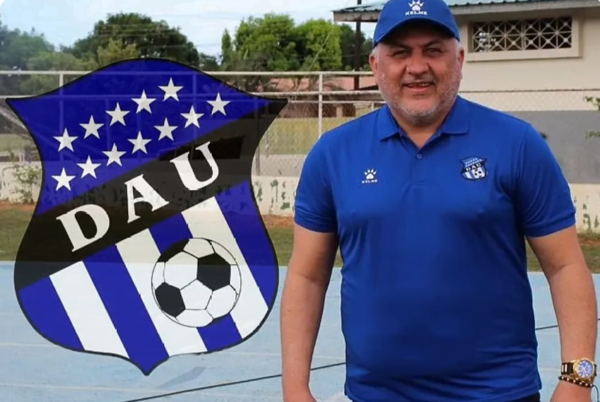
(430, 199)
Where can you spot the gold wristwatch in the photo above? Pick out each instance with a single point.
(579, 371)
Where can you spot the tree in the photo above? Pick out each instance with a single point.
(269, 42)
(274, 43)
(151, 39)
(50, 61)
(348, 46)
(259, 44)
(318, 46)
(16, 49)
(115, 50)
(208, 63)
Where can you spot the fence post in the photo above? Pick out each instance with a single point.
(320, 106)
(61, 117)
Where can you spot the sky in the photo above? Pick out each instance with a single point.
(202, 21)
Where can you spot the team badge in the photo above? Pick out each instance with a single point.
(146, 241)
(473, 168)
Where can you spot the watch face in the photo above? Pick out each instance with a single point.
(584, 369)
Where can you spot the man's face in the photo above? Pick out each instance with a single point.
(418, 70)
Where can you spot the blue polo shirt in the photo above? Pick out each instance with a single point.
(436, 304)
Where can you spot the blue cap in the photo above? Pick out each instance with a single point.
(398, 12)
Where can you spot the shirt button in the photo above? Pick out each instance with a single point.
(419, 156)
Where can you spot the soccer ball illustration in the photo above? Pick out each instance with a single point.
(195, 282)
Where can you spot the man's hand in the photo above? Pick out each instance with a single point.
(567, 392)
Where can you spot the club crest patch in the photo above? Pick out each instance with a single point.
(474, 168)
(146, 241)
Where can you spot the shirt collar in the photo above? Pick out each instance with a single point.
(457, 121)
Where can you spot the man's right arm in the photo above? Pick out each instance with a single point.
(302, 303)
(309, 272)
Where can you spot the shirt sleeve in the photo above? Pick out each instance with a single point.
(543, 195)
(314, 205)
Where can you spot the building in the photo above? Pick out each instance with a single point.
(537, 59)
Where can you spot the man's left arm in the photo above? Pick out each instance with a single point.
(547, 216)
(572, 290)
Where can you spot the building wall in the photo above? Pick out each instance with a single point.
(547, 83)
(275, 196)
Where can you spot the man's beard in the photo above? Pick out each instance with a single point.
(416, 117)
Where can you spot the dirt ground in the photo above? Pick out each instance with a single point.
(589, 241)
(6, 206)
(273, 221)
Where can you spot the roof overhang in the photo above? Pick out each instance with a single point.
(370, 12)
(363, 13)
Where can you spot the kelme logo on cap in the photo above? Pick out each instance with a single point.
(416, 8)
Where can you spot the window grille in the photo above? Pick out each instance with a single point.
(522, 35)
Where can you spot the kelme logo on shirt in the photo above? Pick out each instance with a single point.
(473, 168)
(370, 176)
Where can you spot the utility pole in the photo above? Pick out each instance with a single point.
(357, 50)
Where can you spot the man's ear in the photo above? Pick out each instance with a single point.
(373, 60)
(461, 52)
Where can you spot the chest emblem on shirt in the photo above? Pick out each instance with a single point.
(474, 168)
(370, 176)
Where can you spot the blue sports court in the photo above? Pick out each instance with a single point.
(34, 370)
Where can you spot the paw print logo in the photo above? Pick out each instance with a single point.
(370, 176)
(415, 5)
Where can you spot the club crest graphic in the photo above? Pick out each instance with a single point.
(473, 168)
(146, 241)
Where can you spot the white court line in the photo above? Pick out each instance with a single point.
(126, 390)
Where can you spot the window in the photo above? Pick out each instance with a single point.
(526, 38)
(533, 34)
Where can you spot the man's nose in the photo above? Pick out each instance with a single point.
(417, 65)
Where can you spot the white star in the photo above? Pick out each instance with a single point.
(65, 141)
(91, 128)
(192, 117)
(117, 115)
(89, 168)
(114, 155)
(139, 144)
(166, 131)
(64, 180)
(218, 105)
(143, 103)
(170, 90)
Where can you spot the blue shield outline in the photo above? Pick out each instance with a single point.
(95, 295)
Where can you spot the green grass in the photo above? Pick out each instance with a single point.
(296, 136)
(13, 142)
(13, 224)
(14, 220)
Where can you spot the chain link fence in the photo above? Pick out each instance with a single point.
(319, 102)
